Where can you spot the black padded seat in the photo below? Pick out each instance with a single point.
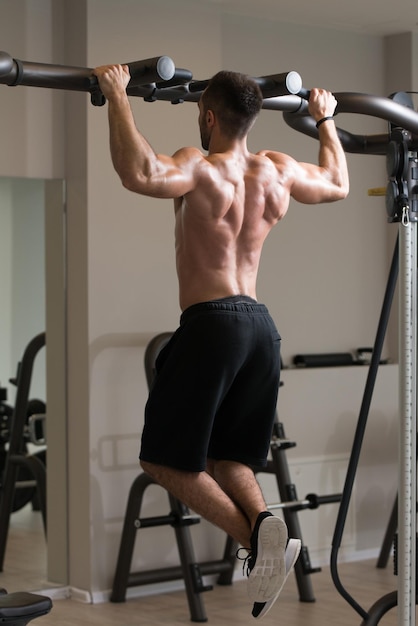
(19, 608)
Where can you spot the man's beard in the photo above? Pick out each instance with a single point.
(204, 138)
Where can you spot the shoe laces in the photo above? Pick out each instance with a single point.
(247, 559)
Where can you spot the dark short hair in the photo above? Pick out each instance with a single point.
(236, 100)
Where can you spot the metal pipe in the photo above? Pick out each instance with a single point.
(363, 104)
(15, 72)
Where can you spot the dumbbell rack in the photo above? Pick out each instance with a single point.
(16, 456)
(290, 504)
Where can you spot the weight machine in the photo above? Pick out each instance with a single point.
(400, 145)
(159, 79)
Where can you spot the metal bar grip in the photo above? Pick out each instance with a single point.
(271, 86)
(151, 70)
(280, 84)
(6, 63)
(15, 72)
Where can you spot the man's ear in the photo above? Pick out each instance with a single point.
(210, 118)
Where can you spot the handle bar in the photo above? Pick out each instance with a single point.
(384, 108)
(158, 79)
(15, 72)
(271, 86)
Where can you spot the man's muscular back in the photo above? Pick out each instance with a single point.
(221, 225)
(227, 202)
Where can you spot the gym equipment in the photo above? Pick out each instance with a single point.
(17, 460)
(19, 608)
(290, 504)
(152, 79)
(273, 85)
(332, 359)
(393, 110)
(400, 145)
(158, 79)
(15, 72)
(33, 433)
(181, 520)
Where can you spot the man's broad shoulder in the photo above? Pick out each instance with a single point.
(189, 153)
(276, 157)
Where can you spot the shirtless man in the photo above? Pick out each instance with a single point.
(210, 413)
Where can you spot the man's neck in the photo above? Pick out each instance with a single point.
(220, 143)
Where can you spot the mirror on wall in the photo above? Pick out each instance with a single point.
(32, 279)
(22, 267)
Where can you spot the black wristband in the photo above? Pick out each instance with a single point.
(324, 119)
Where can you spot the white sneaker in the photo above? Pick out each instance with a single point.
(266, 564)
(292, 552)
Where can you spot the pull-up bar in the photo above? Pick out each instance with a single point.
(158, 78)
(153, 79)
(274, 85)
(387, 109)
(14, 72)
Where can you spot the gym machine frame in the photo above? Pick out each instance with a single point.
(159, 79)
(400, 146)
(17, 456)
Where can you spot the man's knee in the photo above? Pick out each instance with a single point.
(148, 468)
(210, 467)
(156, 471)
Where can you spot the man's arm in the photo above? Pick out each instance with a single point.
(328, 180)
(140, 169)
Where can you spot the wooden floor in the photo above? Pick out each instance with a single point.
(230, 606)
(24, 570)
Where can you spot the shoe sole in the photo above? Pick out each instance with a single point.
(292, 554)
(269, 572)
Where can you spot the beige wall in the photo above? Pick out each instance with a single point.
(323, 273)
(31, 121)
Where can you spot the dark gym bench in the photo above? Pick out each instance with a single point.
(19, 608)
(180, 519)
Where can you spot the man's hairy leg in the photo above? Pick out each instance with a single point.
(240, 484)
(202, 493)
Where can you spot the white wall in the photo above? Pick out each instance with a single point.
(317, 267)
(323, 406)
(31, 120)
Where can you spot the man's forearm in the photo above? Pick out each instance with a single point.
(332, 156)
(132, 156)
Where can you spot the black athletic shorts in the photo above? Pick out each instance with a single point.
(215, 391)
